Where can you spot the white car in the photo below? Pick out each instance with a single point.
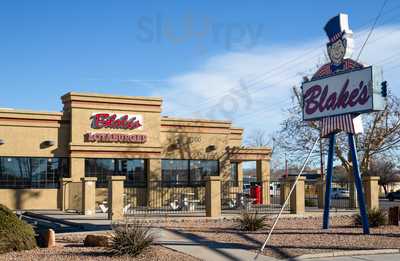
(340, 193)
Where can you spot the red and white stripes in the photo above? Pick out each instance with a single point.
(347, 123)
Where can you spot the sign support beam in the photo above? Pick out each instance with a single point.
(328, 190)
(357, 180)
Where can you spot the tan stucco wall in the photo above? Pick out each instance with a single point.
(80, 107)
(29, 198)
(24, 131)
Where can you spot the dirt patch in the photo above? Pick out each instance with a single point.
(292, 236)
(70, 248)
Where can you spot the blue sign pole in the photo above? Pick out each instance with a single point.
(328, 180)
(357, 180)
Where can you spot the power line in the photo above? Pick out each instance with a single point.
(372, 29)
(303, 56)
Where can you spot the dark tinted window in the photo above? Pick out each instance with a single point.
(188, 172)
(133, 169)
(25, 172)
(175, 172)
(234, 174)
(199, 169)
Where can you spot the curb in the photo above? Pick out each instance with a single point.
(348, 253)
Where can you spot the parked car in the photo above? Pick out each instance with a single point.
(340, 193)
(393, 195)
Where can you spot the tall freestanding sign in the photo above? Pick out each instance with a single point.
(336, 95)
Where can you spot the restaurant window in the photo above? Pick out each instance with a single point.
(187, 172)
(27, 172)
(175, 172)
(234, 180)
(199, 169)
(133, 169)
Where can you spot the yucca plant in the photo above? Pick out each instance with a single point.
(131, 238)
(376, 217)
(251, 221)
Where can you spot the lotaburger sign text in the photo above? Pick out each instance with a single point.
(116, 121)
(351, 92)
(115, 137)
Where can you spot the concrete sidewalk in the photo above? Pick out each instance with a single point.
(382, 257)
(207, 250)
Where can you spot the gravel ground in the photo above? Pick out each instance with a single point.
(293, 236)
(70, 248)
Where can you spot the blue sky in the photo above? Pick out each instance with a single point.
(49, 48)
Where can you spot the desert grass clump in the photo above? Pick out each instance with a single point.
(251, 221)
(376, 217)
(131, 238)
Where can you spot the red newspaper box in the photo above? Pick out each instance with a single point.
(255, 194)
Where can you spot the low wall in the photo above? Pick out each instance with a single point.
(30, 198)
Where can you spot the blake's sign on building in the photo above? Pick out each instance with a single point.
(115, 121)
(350, 92)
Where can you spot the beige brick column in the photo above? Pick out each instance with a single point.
(371, 192)
(240, 173)
(64, 193)
(213, 196)
(321, 187)
(88, 195)
(224, 168)
(154, 183)
(284, 189)
(297, 197)
(263, 176)
(115, 197)
(77, 169)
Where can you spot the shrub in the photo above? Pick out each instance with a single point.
(310, 203)
(376, 217)
(131, 238)
(251, 221)
(15, 234)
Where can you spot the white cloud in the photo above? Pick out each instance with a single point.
(252, 87)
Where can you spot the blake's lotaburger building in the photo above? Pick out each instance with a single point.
(99, 135)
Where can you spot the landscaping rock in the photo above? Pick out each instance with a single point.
(96, 241)
(49, 238)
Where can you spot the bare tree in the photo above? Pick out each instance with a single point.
(340, 175)
(385, 170)
(381, 135)
(258, 138)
